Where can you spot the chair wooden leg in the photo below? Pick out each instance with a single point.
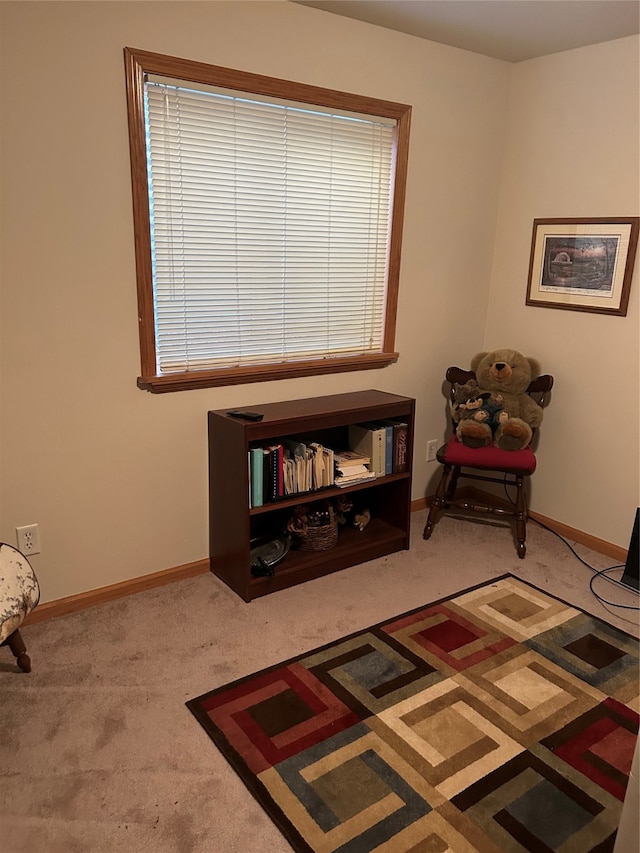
(17, 646)
(438, 501)
(521, 518)
(453, 484)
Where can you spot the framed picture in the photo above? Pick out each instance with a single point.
(583, 264)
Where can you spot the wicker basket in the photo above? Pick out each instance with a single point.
(318, 538)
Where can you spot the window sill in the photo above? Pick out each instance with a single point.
(265, 373)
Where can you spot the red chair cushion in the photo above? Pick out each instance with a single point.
(489, 458)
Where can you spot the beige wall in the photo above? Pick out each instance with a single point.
(116, 477)
(572, 150)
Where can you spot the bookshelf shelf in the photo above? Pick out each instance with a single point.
(233, 523)
(320, 494)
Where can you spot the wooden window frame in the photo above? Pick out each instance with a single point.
(139, 63)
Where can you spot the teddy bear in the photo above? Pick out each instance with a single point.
(347, 513)
(462, 395)
(470, 404)
(506, 374)
(493, 407)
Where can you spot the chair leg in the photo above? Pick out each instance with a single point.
(521, 518)
(453, 485)
(439, 500)
(17, 646)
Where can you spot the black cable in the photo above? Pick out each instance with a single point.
(603, 573)
(596, 572)
(583, 561)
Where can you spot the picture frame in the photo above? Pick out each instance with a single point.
(583, 264)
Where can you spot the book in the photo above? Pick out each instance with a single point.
(400, 450)
(288, 463)
(295, 455)
(273, 473)
(317, 467)
(295, 446)
(352, 472)
(388, 447)
(329, 466)
(257, 476)
(370, 439)
(343, 482)
(278, 462)
(346, 458)
(300, 465)
(266, 475)
(352, 467)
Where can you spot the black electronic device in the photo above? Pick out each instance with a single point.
(266, 554)
(630, 577)
(245, 416)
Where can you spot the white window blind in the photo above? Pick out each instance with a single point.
(270, 226)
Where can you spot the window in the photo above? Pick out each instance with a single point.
(267, 220)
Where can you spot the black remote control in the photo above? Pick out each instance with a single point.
(245, 416)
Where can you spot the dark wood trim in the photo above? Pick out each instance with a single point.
(260, 84)
(599, 545)
(84, 600)
(134, 75)
(93, 597)
(138, 63)
(264, 373)
(616, 552)
(397, 225)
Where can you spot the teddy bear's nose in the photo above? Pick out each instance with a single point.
(500, 365)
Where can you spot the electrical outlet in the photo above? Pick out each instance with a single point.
(432, 447)
(28, 539)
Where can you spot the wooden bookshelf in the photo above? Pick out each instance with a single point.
(233, 524)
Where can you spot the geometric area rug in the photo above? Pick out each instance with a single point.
(499, 720)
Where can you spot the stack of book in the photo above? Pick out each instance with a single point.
(352, 467)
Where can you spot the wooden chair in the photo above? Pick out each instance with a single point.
(506, 467)
(19, 594)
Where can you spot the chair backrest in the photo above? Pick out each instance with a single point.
(538, 388)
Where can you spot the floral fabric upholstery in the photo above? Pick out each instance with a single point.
(19, 590)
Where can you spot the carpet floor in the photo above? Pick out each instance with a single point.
(98, 753)
(498, 720)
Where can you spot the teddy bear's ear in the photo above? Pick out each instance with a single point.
(535, 367)
(475, 361)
